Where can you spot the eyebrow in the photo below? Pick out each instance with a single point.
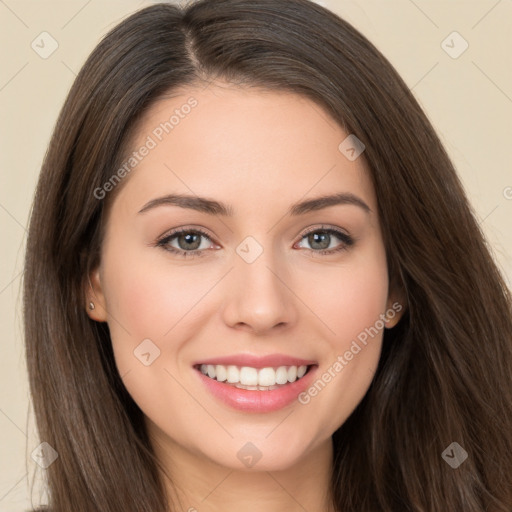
(212, 207)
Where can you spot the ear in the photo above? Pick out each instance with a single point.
(395, 308)
(95, 299)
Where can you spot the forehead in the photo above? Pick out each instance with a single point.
(232, 140)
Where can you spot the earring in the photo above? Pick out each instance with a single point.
(91, 305)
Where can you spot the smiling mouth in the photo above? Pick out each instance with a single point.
(254, 379)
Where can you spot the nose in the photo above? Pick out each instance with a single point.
(259, 298)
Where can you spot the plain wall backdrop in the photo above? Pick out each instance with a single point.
(465, 92)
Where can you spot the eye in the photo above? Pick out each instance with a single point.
(188, 242)
(323, 240)
(185, 242)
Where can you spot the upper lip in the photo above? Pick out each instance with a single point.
(271, 360)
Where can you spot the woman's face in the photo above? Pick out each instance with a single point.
(264, 280)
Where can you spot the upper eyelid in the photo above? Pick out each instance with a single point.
(203, 231)
(313, 229)
(173, 232)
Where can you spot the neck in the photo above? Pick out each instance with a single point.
(195, 483)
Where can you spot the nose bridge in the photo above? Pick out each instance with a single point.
(257, 296)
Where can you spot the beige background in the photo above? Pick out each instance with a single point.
(468, 99)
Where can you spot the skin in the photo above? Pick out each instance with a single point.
(259, 152)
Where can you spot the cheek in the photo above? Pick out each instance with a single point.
(146, 298)
(150, 295)
(351, 304)
(350, 297)
(151, 309)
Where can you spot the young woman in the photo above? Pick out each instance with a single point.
(254, 282)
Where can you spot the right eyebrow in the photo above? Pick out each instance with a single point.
(200, 204)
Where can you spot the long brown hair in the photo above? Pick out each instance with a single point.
(445, 373)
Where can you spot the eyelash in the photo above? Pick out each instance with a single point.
(347, 241)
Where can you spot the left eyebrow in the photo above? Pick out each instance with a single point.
(212, 207)
(311, 205)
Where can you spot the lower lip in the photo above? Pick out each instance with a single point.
(258, 401)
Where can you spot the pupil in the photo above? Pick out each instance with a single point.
(319, 240)
(193, 239)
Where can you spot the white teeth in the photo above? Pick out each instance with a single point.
(250, 378)
(255, 388)
(292, 374)
(233, 374)
(221, 373)
(266, 377)
(282, 375)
